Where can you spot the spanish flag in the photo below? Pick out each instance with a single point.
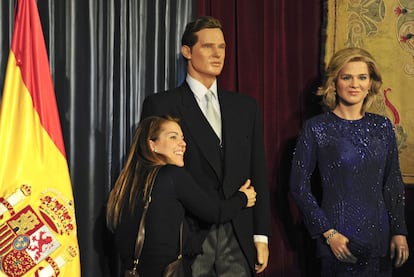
(38, 235)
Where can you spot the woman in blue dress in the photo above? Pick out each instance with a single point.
(359, 223)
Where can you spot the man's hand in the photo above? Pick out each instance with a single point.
(250, 193)
(262, 249)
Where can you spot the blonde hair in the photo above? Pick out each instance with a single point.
(337, 62)
(139, 171)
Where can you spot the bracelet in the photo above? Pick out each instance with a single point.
(330, 236)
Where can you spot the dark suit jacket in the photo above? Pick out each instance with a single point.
(221, 171)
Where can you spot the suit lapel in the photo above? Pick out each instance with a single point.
(231, 133)
(200, 130)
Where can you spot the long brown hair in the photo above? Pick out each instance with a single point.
(139, 171)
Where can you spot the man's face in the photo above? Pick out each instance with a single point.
(206, 57)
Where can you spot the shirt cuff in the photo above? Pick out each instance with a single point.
(261, 238)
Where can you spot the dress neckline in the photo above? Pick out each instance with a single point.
(347, 120)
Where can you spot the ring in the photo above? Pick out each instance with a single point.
(339, 256)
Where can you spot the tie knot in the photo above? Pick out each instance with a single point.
(209, 95)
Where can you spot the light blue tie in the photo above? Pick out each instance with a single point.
(212, 115)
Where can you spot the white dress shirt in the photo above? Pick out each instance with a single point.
(199, 90)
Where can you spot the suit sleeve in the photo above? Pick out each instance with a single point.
(261, 210)
(202, 206)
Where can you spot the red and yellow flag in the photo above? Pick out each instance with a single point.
(37, 219)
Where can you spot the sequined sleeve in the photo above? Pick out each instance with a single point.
(394, 186)
(303, 164)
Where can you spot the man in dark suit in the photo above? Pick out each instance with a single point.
(224, 136)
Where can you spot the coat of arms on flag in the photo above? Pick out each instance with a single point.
(29, 236)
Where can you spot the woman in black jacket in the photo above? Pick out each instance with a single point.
(158, 146)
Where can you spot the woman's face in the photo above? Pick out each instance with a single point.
(353, 84)
(170, 143)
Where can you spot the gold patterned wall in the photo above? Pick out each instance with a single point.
(386, 29)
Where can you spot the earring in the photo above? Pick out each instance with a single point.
(155, 150)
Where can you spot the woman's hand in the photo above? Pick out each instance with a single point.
(338, 244)
(399, 250)
(249, 192)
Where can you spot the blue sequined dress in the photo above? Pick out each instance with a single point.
(363, 192)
